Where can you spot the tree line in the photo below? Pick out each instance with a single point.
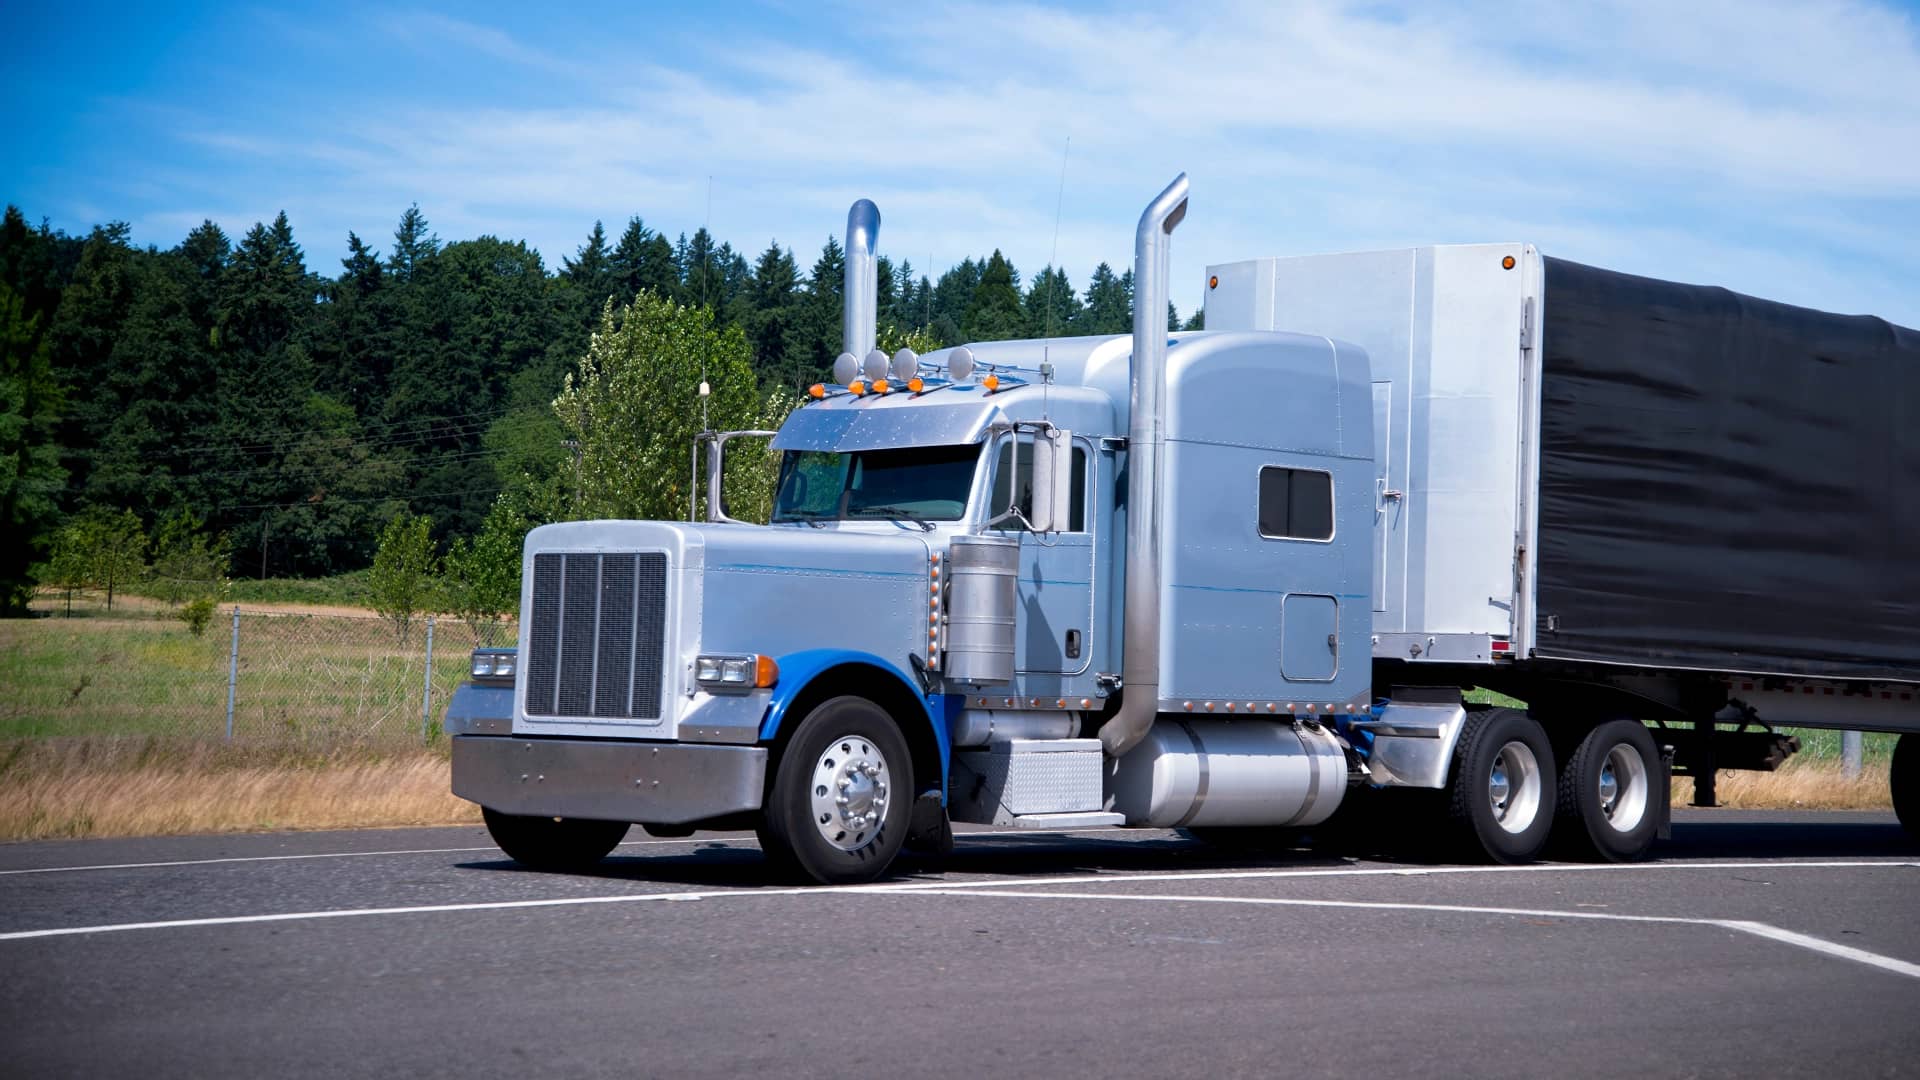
(226, 397)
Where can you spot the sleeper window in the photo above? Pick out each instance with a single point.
(1296, 504)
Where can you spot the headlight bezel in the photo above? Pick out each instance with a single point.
(734, 673)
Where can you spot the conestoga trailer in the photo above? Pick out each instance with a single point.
(1219, 580)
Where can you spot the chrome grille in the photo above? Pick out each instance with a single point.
(596, 643)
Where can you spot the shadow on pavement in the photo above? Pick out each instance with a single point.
(737, 863)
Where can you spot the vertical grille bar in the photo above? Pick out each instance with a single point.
(613, 673)
(650, 619)
(543, 644)
(580, 590)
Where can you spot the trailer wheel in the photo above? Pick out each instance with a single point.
(841, 795)
(1500, 799)
(548, 843)
(1608, 802)
(1905, 782)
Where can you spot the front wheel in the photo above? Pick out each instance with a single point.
(550, 843)
(841, 794)
(1904, 779)
(1608, 805)
(1500, 799)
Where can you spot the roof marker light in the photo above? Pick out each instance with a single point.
(991, 382)
(960, 363)
(916, 384)
(880, 386)
(817, 391)
(856, 388)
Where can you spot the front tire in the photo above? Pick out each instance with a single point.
(1500, 799)
(547, 843)
(1608, 804)
(841, 794)
(1904, 779)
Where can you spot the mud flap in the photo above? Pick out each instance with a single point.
(929, 831)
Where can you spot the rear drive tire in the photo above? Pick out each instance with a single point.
(842, 794)
(547, 843)
(1904, 779)
(1608, 803)
(1500, 797)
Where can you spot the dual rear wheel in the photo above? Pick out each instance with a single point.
(1509, 794)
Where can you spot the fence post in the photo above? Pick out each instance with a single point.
(233, 670)
(426, 692)
(1852, 750)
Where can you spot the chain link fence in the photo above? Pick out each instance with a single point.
(255, 677)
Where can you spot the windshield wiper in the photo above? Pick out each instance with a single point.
(898, 513)
(813, 520)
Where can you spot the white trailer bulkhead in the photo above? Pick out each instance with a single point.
(1222, 579)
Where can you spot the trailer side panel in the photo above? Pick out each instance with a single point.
(1725, 482)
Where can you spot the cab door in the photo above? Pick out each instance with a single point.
(1056, 593)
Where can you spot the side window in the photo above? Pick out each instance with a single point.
(1296, 504)
(1005, 483)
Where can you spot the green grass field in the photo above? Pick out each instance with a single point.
(301, 679)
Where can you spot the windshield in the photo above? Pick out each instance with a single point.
(919, 483)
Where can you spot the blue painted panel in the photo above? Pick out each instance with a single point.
(799, 669)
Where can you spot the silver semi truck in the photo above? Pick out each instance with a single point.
(1232, 580)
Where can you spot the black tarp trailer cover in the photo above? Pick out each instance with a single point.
(1725, 483)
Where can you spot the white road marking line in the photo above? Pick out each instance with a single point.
(983, 886)
(1757, 929)
(1403, 871)
(448, 851)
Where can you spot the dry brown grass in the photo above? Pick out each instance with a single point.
(73, 788)
(121, 787)
(1800, 784)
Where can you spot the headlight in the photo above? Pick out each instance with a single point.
(732, 674)
(493, 665)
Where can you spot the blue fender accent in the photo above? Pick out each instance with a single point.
(799, 669)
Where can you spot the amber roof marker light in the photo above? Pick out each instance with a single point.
(1506, 263)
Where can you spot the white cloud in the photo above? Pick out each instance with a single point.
(1773, 147)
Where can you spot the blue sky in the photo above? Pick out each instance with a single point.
(1770, 147)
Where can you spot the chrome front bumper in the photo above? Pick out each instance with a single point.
(652, 783)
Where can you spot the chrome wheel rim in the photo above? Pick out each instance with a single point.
(1514, 787)
(1622, 788)
(849, 792)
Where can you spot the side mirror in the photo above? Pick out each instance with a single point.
(1052, 480)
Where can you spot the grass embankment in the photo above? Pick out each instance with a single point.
(71, 788)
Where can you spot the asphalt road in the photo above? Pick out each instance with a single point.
(1758, 944)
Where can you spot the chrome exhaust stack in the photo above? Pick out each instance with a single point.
(1146, 437)
(860, 311)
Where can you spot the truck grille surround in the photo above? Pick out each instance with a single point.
(596, 642)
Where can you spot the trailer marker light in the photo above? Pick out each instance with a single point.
(817, 391)
(1213, 282)
(1506, 263)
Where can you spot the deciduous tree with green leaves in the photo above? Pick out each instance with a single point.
(483, 574)
(633, 407)
(103, 549)
(404, 567)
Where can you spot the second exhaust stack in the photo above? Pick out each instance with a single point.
(860, 318)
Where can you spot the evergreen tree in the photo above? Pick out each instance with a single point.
(642, 260)
(1109, 307)
(413, 243)
(994, 313)
(772, 319)
(818, 333)
(951, 298)
(590, 273)
(30, 474)
(1051, 307)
